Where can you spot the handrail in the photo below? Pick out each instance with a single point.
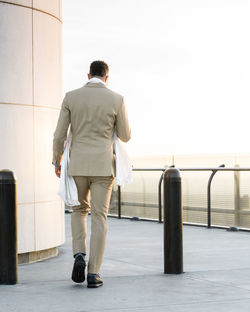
(214, 171)
(197, 169)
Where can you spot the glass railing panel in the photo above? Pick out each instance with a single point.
(139, 198)
(222, 199)
(194, 192)
(243, 205)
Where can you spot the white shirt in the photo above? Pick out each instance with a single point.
(96, 80)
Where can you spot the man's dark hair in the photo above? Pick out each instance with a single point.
(99, 68)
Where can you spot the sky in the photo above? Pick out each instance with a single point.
(183, 67)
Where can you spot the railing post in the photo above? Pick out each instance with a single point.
(119, 202)
(209, 199)
(237, 197)
(173, 237)
(8, 228)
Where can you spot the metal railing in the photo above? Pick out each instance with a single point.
(213, 170)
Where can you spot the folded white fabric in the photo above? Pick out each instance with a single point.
(123, 164)
(67, 188)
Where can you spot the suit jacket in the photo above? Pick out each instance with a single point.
(94, 112)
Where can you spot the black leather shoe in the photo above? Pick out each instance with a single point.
(94, 280)
(78, 273)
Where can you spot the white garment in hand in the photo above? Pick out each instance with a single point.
(123, 164)
(67, 189)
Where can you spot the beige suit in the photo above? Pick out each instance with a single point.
(94, 112)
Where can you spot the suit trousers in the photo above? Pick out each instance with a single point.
(94, 196)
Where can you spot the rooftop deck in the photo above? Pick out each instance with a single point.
(216, 278)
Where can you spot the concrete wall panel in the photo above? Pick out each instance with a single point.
(16, 132)
(47, 60)
(46, 182)
(49, 224)
(15, 54)
(20, 2)
(52, 7)
(26, 227)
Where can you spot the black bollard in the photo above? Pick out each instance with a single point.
(8, 228)
(173, 245)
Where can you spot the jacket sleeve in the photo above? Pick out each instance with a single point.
(122, 124)
(60, 134)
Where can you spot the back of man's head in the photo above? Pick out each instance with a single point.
(99, 68)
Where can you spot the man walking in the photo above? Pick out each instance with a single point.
(94, 112)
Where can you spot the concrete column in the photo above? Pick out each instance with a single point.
(30, 100)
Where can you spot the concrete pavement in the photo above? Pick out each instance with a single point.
(216, 278)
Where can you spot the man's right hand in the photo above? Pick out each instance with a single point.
(58, 171)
